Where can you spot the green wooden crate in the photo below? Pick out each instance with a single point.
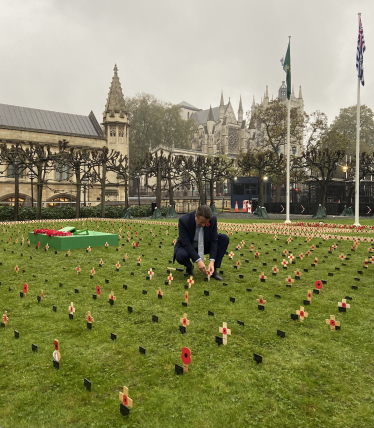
(93, 239)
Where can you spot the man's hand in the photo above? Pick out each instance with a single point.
(201, 267)
(211, 266)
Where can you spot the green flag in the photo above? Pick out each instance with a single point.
(287, 69)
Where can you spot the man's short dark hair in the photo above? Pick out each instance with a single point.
(204, 211)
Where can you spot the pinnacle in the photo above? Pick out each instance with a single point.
(210, 115)
(240, 104)
(221, 103)
(115, 100)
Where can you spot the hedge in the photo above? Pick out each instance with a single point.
(28, 213)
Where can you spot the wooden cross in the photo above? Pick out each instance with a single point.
(106, 245)
(285, 252)
(124, 397)
(260, 301)
(275, 269)
(89, 318)
(342, 256)
(190, 281)
(118, 265)
(332, 322)
(275, 237)
(308, 253)
(298, 273)
(101, 262)
(16, 268)
(139, 259)
(238, 264)
(366, 263)
(42, 295)
(150, 273)
(112, 296)
(47, 247)
(301, 256)
(68, 253)
(184, 320)
(88, 249)
(262, 276)
(291, 257)
(126, 256)
(231, 255)
(252, 248)
(257, 254)
(344, 304)
(93, 272)
(284, 263)
(301, 313)
(159, 292)
(78, 269)
(170, 278)
(315, 260)
(209, 274)
(243, 243)
(309, 295)
(225, 331)
(238, 247)
(71, 308)
(186, 297)
(5, 318)
(56, 354)
(289, 280)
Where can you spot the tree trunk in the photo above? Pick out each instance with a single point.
(78, 198)
(278, 192)
(349, 197)
(211, 188)
(103, 182)
(171, 191)
(261, 190)
(201, 191)
(126, 193)
(39, 191)
(158, 187)
(323, 193)
(16, 191)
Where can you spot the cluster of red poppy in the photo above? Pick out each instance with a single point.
(51, 232)
(339, 226)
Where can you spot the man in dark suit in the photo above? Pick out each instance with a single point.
(198, 235)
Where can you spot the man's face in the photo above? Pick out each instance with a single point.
(201, 221)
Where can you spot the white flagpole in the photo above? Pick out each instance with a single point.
(288, 154)
(357, 184)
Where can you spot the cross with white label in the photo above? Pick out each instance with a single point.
(190, 281)
(124, 397)
(301, 313)
(225, 331)
(89, 318)
(332, 322)
(71, 308)
(184, 320)
(344, 304)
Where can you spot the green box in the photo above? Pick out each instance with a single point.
(89, 239)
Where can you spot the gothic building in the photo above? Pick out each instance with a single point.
(27, 125)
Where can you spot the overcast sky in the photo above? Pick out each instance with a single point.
(59, 55)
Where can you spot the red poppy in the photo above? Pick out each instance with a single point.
(208, 224)
(124, 399)
(344, 305)
(25, 288)
(318, 284)
(186, 355)
(309, 294)
(261, 301)
(301, 313)
(89, 319)
(98, 290)
(332, 323)
(56, 345)
(184, 321)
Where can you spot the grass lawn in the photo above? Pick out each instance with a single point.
(313, 377)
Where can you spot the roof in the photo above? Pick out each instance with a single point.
(51, 122)
(115, 100)
(188, 106)
(201, 116)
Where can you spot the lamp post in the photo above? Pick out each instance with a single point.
(84, 182)
(265, 184)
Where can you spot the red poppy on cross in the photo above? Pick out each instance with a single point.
(332, 322)
(344, 304)
(225, 331)
(124, 397)
(71, 308)
(260, 300)
(184, 320)
(275, 269)
(301, 313)
(190, 281)
(89, 318)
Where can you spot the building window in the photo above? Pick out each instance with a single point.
(112, 131)
(62, 172)
(10, 171)
(120, 132)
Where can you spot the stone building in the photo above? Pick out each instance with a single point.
(25, 125)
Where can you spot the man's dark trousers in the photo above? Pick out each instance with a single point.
(214, 244)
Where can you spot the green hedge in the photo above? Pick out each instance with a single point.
(7, 212)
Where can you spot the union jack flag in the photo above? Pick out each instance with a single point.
(360, 53)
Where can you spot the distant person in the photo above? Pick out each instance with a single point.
(198, 235)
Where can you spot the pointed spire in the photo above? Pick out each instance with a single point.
(240, 104)
(240, 111)
(300, 94)
(221, 103)
(210, 115)
(267, 92)
(115, 100)
(253, 103)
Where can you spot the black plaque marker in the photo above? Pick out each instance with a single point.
(124, 410)
(111, 302)
(178, 369)
(184, 304)
(219, 340)
(106, 281)
(56, 364)
(76, 290)
(240, 323)
(261, 307)
(21, 294)
(306, 302)
(348, 298)
(257, 358)
(354, 287)
(87, 384)
(277, 295)
(154, 318)
(306, 270)
(315, 291)
(294, 317)
(341, 309)
(34, 347)
(144, 292)
(357, 279)
(330, 274)
(232, 299)
(206, 293)
(182, 329)
(71, 316)
(210, 313)
(281, 333)
(113, 336)
(124, 286)
(129, 309)
(142, 350)
(249, 289)
(16, 334)
(54, 308)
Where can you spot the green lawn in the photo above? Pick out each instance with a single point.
(314, 377)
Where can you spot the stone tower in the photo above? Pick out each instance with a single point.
(116, 125)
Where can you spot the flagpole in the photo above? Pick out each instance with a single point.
(357, 184)
(288, 155)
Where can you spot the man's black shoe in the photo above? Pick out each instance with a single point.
(216, 276)
(189, 268)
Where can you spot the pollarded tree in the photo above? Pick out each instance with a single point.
(366, 168)
(220, 168)
(323, 159)
(260, 164)
(197, 169)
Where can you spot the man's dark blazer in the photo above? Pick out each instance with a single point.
(187, 229)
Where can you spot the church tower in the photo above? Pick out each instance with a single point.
(116, 124)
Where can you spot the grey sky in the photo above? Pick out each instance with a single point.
(59, 55)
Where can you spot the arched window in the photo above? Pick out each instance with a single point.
(120, 131)
(112, 131)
